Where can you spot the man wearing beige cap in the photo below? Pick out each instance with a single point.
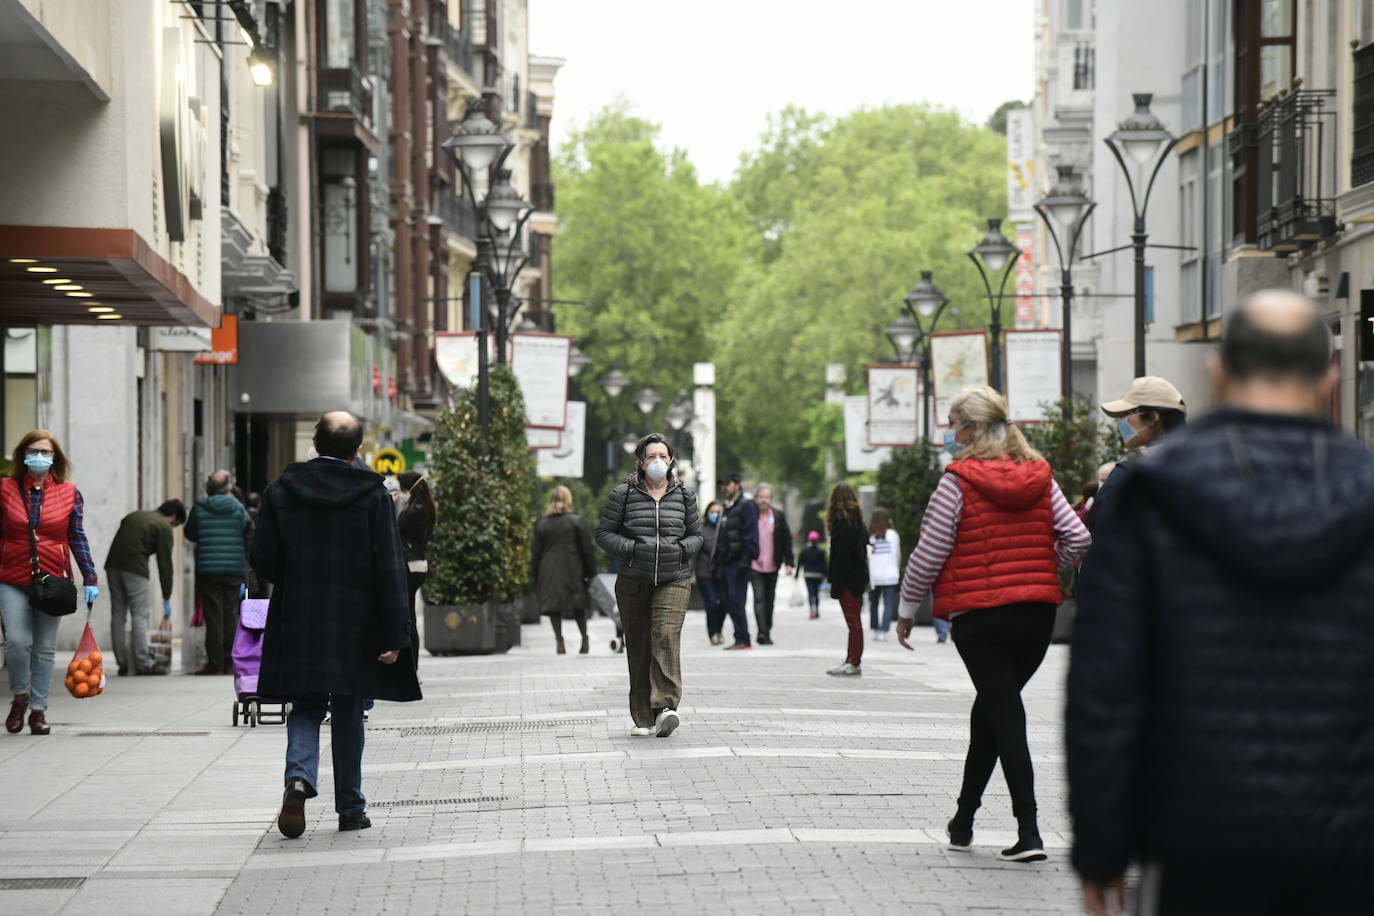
(1150, 410)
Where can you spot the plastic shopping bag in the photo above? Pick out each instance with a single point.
(160, 648)
(86, 673)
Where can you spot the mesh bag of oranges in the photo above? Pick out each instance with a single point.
(86, 673)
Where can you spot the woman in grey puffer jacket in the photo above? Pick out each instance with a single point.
(651, 525)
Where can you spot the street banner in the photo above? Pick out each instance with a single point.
(1025, 278)
(894, 405)
(859, 453)
(1021, 165)
(567, 459)
(958, 360)
(455, 352)
(540, 364)
(1033, 376)
(543, 438)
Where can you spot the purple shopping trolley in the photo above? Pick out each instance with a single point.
(247, 654)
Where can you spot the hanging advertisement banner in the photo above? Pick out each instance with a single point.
(543, 438)
(1034, 383)
(455, 353)
(1020, 165)
(859, 453)
(1025, 279)
(567, 459)
(540, 363)
(894, 404)
(958, 360)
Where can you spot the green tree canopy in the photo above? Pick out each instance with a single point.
(847, 213)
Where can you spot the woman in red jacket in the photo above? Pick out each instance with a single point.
(994, 535)
(37, 494)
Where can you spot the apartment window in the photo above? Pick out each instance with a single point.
(338, 34)
(1190, 223)
(1084, 65)
(1264, 40)
(1076, 14)
(1362, 151)
(1191, 116)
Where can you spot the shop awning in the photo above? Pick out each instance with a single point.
(117, 272)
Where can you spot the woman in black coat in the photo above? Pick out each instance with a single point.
(848, 572)
(415, 519)
(563, 566)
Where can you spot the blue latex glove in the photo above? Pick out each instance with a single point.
(243, 591)
(92, 593)
(167, 609)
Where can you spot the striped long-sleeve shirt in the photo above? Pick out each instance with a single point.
(76, 532)
(941, 524)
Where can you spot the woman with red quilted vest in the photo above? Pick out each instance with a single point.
(994, 535)
(37, 495)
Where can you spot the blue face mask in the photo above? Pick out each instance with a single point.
(38, 462)
(1125, 430)
(713, 517)
(951, 445)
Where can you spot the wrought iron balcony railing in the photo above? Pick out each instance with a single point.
(1295, 177)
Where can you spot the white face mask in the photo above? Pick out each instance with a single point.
(656, 469)
(311, 454)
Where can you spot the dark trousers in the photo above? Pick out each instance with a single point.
(765, 585)
(1206, 885)
(711, 598)
(813, 593)
(735, 579)
(413, 582)
(852, 606)
(1001, 647)
(346, 745)
(556, 621)
(219, 601)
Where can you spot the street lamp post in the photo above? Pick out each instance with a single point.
(1141, 138)
(679, 414)
(909, 332)
(614, 384)
(995, 254)
(1065, 211)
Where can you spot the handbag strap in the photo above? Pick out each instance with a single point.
(28, 520)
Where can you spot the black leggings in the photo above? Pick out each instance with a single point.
(556, 621)
(1001, 647)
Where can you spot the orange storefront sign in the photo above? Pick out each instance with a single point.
(224, 344)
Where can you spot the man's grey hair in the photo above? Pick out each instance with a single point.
(219, 482)
(764, 486)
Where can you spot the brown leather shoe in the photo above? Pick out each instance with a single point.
(14, 724)
(38, 722)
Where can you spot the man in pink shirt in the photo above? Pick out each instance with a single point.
(775, 550)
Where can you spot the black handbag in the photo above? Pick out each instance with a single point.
(53, 595)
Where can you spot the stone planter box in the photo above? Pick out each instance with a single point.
(461, 629)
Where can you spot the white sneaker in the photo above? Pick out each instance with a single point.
(845, 670)
(638, 732)
(666, 722)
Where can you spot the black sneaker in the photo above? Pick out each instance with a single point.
(738, 645)
(960, 836)
(354, 820)
(1027, 849)
(765, 640)
(291, 820)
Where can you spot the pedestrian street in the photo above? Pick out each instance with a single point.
(515, 788)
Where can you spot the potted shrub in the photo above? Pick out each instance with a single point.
(479, 556)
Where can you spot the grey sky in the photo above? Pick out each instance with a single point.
(710, 71)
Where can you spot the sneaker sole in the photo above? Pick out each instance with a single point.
(956, 846)
(291, 820)
(670, 723)
(1029, 855)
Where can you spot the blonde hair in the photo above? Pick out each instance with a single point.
(560, 501)
(994, 436)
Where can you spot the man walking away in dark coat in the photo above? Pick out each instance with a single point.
(327, 541)
(1220, 721)
(218, 525)
(737, 547)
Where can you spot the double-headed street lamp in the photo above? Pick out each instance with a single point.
(995, 254)
(1140, 140)
(1065, 211)
(615, 383)
(909, 333)
(476, 146)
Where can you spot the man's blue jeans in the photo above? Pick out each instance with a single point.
(735, 578)
(711, 599)
(346, 746)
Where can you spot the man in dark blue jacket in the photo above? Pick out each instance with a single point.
(1220, 721)
(737, 547)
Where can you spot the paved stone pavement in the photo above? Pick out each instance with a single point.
(515, 788)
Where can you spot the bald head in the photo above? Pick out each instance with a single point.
(218, 482)
(339, 434)
(1276, 335)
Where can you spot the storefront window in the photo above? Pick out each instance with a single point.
(338, 34)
